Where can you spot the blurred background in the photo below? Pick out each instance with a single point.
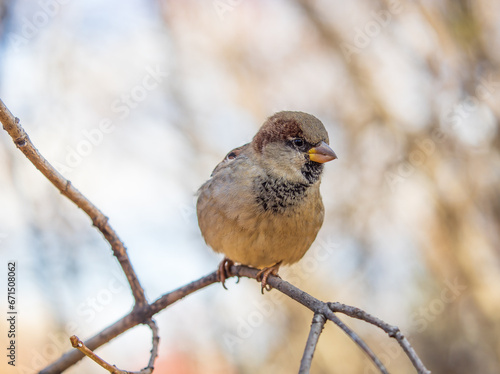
(135, 102)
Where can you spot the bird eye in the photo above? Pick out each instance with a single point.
(298, 142)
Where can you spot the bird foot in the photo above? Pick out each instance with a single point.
(224, 271)
(265, 273)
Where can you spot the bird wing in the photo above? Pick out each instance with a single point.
(230, 157)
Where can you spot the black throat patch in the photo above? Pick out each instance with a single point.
(277, 194)
(312, 171)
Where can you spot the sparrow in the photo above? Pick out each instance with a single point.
(262, 206)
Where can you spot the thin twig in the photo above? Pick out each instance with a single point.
(78, 344)
(364, 347)
(392, 331)
(154, 349)
(99, 220)
(317, 325)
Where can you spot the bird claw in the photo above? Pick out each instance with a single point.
(224, 271)
(264, 274)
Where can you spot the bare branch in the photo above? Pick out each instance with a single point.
(392, 331)
(99, 220)
(142, 314)
(317, 325)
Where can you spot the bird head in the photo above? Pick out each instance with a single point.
(293, 146)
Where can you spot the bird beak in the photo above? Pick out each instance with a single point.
(322, 153)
